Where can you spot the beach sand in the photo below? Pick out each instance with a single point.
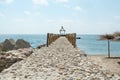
(112, 64)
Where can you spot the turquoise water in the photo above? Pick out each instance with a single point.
(88, 43)
(92, 45)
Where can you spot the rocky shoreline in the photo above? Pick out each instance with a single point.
(13, 56)
(59, 61)
(11, 44)
(12, 52)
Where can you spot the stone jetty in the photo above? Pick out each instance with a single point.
(59, 61)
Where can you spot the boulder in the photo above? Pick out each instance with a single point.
(10, 57)
(8, 44)
(40, 46)
(20, 43)
(1, 44)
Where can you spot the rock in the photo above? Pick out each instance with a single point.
(8, 44)
(40, 46)
(83, 54)
(25, 76)
(13, 56)
(10, 57)
(109, 75)
(20, 53)
(70, 78)
(1, 45)
(20, 43)
(58, 61)
(12, 41)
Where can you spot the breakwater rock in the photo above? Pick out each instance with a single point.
(59, 61)
(13, 56)
(10, 44)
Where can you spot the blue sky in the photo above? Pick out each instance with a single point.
(42, 16)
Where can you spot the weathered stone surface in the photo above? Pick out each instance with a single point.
(11, 57)
(20, 43)
(20, 53)
(8, 44)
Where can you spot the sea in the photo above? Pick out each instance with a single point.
(90, 44)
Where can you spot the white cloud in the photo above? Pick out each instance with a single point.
(27, 12)
(77, 8)
(62, 1)
(6, 1)
(2, 15)
(40, 2)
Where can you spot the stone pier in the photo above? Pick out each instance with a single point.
(59, 61)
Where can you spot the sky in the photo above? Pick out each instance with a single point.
(43, 16)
